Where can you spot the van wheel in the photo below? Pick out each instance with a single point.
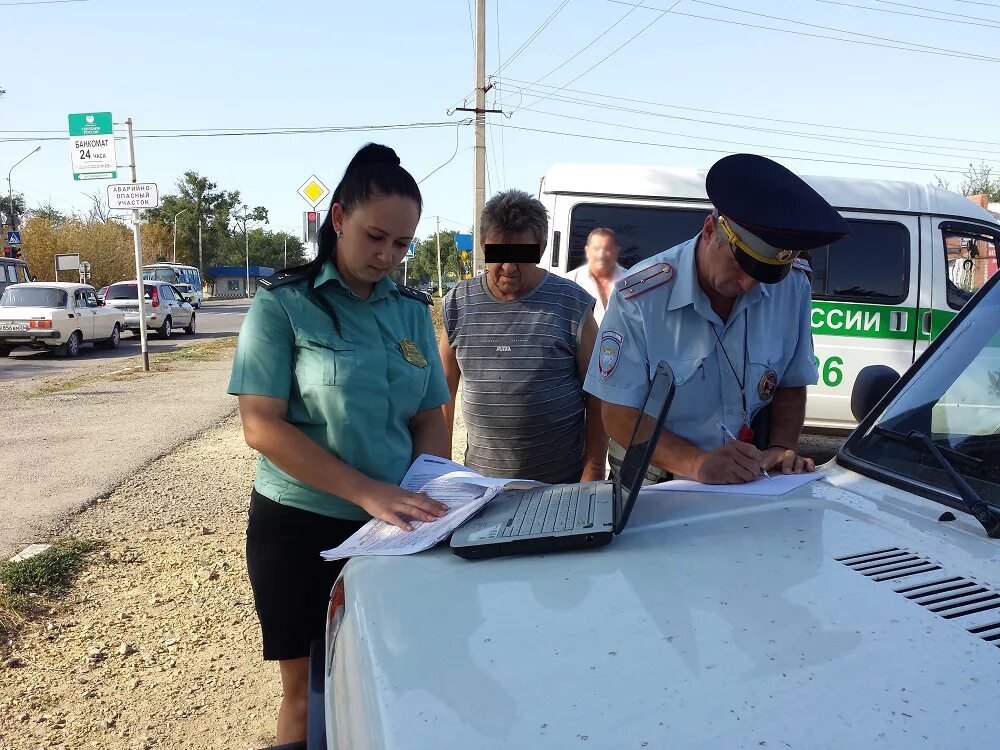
(191, 328)
(168, 329)
(114, 341)
(72, 346)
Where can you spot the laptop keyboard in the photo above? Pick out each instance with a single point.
(544, 510)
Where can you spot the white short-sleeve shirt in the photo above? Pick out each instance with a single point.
(582, 277)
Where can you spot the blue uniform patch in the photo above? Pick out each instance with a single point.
(611, 348)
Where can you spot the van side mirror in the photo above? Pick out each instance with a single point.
(872, 383)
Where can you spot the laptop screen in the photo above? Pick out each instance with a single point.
(645, 435)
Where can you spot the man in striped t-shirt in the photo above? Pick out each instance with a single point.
(522, 339)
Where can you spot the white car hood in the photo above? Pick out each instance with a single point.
(713, 621)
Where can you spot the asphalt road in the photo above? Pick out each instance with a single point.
(216, 318)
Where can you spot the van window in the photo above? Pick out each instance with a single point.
(11, 275)
(970, 259)
(22, 274)
(871, 264)
(641, 231)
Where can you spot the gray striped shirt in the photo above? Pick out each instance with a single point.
(522, 399)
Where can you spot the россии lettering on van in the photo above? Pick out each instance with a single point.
(914, 257)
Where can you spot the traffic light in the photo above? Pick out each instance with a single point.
(310, 225)
(15, 252)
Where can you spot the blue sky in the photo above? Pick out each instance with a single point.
(224, 64)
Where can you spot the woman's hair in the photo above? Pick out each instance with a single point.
(374, 172)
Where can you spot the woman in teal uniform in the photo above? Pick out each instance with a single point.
(340, 387)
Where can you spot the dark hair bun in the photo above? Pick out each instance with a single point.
(373, 153)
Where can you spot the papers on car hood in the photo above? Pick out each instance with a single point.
(778, 484)
(464, 492)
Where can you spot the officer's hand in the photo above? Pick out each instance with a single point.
(394, 505)
(734, 463)
(787, 462)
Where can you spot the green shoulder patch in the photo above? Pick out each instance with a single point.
(415, 294)
(281, 278)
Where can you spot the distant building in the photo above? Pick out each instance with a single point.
(231, 281)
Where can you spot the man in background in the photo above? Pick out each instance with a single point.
(601, 272)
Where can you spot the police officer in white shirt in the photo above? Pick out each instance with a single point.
(601, 272)
(734, 325)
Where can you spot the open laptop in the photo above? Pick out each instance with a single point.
(570, 516)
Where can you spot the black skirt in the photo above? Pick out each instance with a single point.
(291, 582)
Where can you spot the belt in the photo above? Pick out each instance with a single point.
(654, 474)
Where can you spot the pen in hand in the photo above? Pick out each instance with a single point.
(729, 434)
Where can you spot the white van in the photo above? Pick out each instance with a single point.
(915, 255)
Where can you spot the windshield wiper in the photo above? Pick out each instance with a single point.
(910, 438)
(982, 512)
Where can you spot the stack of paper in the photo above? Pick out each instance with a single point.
(463, 491)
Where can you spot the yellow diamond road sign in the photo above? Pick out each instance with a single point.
(313, 191)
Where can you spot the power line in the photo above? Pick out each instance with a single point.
(895, 43)
(533, 36)
(864, 142)
(826, 126)
(613, 52)
(743, 143)
(975, 2)
(258, 132)
(955, 19)
(714, 150)
(934, 10)
(419, 182)
(45, 2)
(592, 42)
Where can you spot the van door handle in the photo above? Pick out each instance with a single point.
(898, 320)
(925, 323)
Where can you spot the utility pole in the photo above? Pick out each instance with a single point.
(201, 264)
(438, 234)
(478, 259)
(140, 289)
(175, 232)
(286, 252)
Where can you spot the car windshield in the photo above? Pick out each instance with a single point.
(33, 297)
(124, 291)
(954, 398)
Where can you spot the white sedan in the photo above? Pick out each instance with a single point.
(58, 316)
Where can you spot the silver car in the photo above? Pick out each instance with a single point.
(166, 309)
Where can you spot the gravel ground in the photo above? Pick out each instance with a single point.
(158, 645)
(66, 448)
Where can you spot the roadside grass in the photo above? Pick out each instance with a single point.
(207, 351)
(30, 586)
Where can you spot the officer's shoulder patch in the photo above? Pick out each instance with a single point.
(646, 279)
(416, 294)
(283, 278)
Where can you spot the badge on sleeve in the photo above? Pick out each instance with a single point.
(611, 347)
(411, 353)
(768, 385)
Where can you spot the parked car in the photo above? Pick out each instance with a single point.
(189, 294)
(861, 610)
(58, 316)
(102, 292)
(166, 309)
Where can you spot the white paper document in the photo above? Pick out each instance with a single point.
(462, 490)
(778, 484)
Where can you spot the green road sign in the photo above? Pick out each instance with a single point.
(92, 146)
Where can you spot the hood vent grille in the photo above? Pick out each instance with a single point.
(949, 597)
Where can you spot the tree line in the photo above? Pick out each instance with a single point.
(105, 239)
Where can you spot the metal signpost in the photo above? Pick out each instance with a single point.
(67, 262)
(92, 146)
